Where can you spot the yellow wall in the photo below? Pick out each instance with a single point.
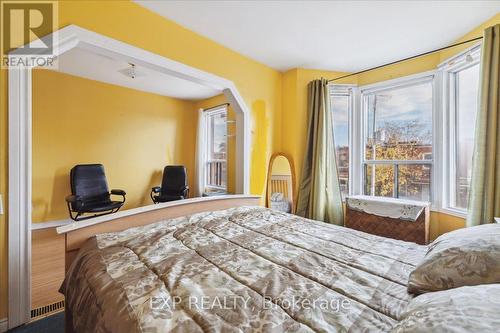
(419, 65)
(231, 140)
(442, 223)
(133, 134)
(259, 85)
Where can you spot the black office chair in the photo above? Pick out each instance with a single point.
(173, 185)
(90, 194)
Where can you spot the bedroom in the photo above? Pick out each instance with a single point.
(273, 95)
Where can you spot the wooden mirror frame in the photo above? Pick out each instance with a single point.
(292, 171)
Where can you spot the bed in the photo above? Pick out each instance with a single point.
(241, 269)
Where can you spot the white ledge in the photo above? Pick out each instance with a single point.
(389, 200)
(86, 223)
(50, 224)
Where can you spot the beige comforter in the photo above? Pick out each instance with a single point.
(246, 269)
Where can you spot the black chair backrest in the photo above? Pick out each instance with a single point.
(88, 181)
(174, 179)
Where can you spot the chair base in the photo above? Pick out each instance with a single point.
(79, 216)
(158, 199)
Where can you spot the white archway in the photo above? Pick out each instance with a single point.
(20, 144)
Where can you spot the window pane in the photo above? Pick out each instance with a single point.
(340, 111)
(379, 180)
(467, 94)
(414, 182)
(399, 123)
(217, 132)
(216, 165)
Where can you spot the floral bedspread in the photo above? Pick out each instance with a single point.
(247, 269)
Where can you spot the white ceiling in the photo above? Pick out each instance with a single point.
(102, 68)
(330, 35)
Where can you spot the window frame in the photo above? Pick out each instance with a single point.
(449, 69)
(349, 90)
(407, 81)
(208, 148)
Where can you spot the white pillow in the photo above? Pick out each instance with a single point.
(461, 310)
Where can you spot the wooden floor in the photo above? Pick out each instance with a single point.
(47, 267)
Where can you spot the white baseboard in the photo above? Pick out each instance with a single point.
(3, 325)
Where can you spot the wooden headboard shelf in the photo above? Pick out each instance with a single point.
(77, 233)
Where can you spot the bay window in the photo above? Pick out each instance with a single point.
(411, 137)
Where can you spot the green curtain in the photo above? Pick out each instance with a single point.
(484, 196)
(319, 196)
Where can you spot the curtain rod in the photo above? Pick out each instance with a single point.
(405, 59)
(215, 107)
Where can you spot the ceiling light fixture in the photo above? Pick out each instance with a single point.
(131, 71)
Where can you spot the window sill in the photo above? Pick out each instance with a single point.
(461, 213)
(215, 188)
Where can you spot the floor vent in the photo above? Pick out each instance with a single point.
(47, 310)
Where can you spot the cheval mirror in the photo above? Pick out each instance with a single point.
(281, 183)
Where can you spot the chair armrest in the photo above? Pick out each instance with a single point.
(156, 189)
(183, 188)
(185, 192)
(118, 192)
(72, 198)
